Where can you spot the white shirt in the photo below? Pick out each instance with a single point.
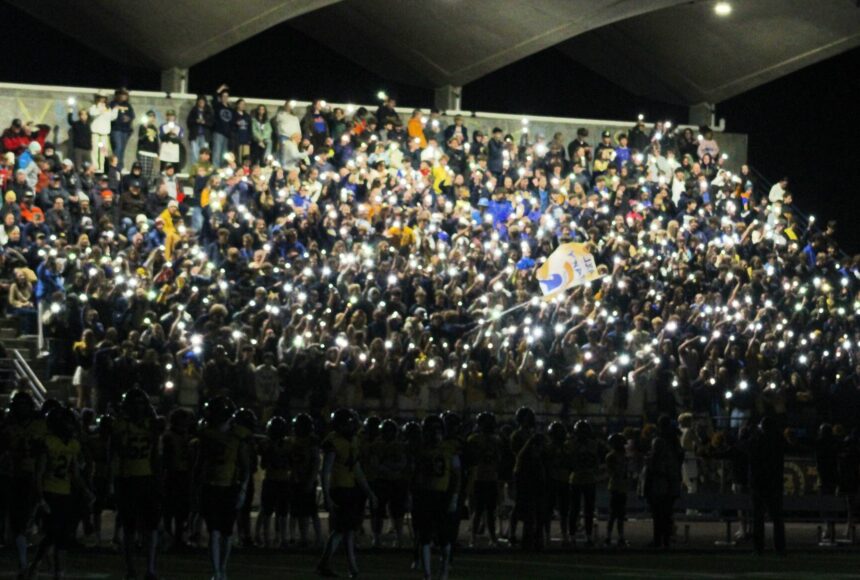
(288, 124)
(101, 119)
(776, 193)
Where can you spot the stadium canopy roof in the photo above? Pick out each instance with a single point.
(678, 51)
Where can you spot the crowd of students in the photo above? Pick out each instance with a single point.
(357, 259)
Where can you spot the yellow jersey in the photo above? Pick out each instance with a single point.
(61, 456)
(219, 456)
(135, 444)
(25, 443)
(276, 459)
(485, 454)
(434, 469)
(345, 458)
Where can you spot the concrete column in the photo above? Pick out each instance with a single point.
(174, 80)
(701, 114)
(447, 98)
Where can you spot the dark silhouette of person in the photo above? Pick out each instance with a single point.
(663, 480)
(766, 450)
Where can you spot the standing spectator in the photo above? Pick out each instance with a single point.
(49, 279)
(170, 134)
(223, 126)
(495, 153)
(574, 146)
(415, 128)
(315, 124)
(690, 443)
(121, 126)
(707, 144)
(639, 138)
(241, 132)
(200, 121)
(766, 450)
(287, 125)
(663, 480)
(267, 386)
(827, 464)
(82, 137)
(458, 129)
(387, 113)
(147, 146)
(261, 130)
(778, 191)
(433, 127)
(82, 380)
(102, 117)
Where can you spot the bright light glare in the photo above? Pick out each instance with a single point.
(722, 8)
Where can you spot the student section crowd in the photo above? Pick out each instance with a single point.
(362, 258)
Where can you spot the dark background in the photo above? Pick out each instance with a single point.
(803, 125)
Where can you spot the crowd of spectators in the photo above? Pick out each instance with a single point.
(364, 259)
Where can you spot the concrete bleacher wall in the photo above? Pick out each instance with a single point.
(49, 105)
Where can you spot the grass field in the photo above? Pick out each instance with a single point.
(259, 565)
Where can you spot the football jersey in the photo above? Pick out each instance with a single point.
(485, 453)
(135, 442)
(392, 459)
(25, 444)
(276, 459)
(434, 466)
(219, 455)
(61, 457)
(345, 457)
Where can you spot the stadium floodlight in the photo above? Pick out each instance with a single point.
(722, 8)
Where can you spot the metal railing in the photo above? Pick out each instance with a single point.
(26, 376)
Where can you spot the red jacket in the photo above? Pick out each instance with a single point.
(15, 142)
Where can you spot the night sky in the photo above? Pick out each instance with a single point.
(803, 125)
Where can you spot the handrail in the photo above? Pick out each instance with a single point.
(24, 371)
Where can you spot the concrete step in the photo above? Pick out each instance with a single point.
(6, 332)
(26, 347)
(8, 322)
(60, 387)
